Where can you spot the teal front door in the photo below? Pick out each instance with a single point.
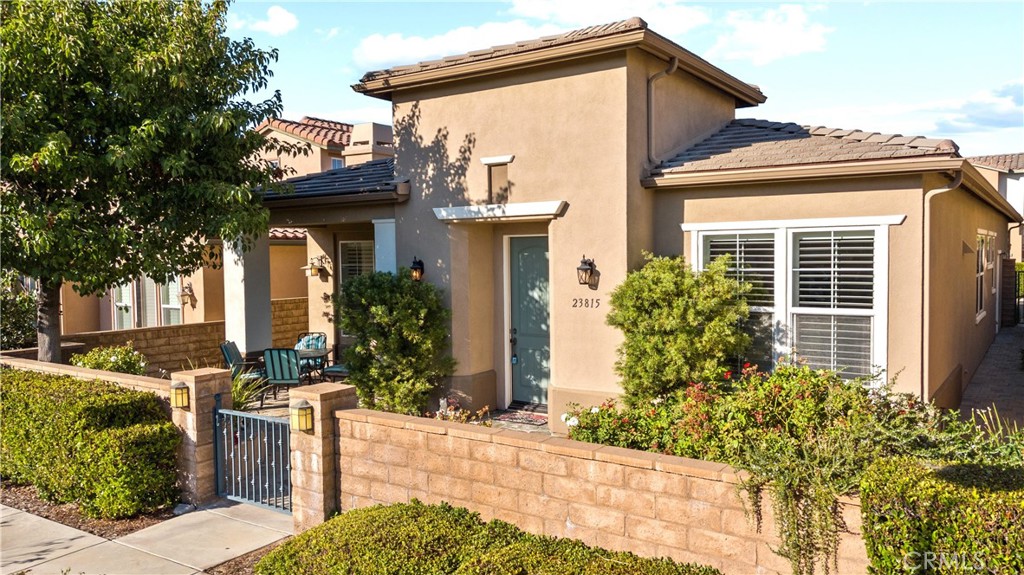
(530, 333)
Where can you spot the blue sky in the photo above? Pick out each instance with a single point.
(938, 69)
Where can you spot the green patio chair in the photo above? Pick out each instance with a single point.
(312, 340)
(250, 372)
(282, 365)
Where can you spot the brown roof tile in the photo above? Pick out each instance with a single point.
(760, 144)
(317, 130)
(287, 233)
(1011, 163)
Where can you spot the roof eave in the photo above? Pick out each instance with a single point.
(395, 196)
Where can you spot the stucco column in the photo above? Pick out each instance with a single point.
(196, 469)
(247, 316)
(385, 253)
(315, 454)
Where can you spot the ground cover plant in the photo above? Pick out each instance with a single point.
(418, 539)
(805, 436)
(117, 358)
(110, 449)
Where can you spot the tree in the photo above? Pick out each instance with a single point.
(679, 326)
(127, 143)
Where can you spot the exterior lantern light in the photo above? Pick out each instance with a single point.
(179, 395)
(187, 295)
(416, 269)
(301, 415)
(585, 271)
(317, 266)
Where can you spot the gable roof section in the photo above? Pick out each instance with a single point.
(326, 133)
(576, 43)
(287, 234)
(1009, 163)
(762, 143)
(368, 182)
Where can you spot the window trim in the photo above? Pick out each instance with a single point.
(784, 231)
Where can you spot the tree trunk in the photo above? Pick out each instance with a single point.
(48, 321)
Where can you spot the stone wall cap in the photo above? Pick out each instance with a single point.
(693, 467)
(520, 439)
(579, 449)
(627, 457)
(322, 391)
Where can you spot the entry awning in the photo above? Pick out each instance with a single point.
(513, 212)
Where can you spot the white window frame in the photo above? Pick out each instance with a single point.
(335, 161)
(173, 304)
(785, 231)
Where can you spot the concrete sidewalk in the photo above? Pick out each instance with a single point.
(183, 545)
(999, 380)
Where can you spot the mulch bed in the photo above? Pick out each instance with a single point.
(25, 498)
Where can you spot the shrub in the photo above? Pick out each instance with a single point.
(17, 313)
(400, 353)
(679, 326)
(112, 450)
(417, 539)
(960, 517)
(116, 358)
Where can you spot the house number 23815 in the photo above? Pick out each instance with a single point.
(586, 302)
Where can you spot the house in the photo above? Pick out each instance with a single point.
(517, 165)
(1004, 172)
(146, 302)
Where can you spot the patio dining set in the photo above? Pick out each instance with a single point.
(309, 361)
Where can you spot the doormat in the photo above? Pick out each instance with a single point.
(521, 417)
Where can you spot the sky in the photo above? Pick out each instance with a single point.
(937, 69)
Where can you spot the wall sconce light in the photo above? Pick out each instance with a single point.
(416, 269)
(187, 295)
(179, 395)
(585, 271)
(301, 415)
(316, 267)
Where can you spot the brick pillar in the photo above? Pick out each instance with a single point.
(314, 454)
(196, 471)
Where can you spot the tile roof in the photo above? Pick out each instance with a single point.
(317, 130)
(601, 31)
(1011, 163)
(374, 176)
(287, 233)
(762, 143)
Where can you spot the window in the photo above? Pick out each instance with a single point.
(170, 302)
(337, 163)
(498, 187)
(145, 303)
(979, 279)
(354, 258)
(819, 287)
(124, 309)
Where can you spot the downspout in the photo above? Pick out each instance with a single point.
(926, 283)
(673, 65)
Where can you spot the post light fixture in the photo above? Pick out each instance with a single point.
(187, 295)
(416, 269)
(179, 395)
(317, 266)
(301, 415)
(585, 271)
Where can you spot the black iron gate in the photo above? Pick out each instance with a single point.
(1019, 293)
(253, 458)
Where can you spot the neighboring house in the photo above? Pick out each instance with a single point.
(147, 303)
(1004, 172)
(867, 251)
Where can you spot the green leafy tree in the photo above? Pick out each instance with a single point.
(127, 143)
(679, 326)
(17, 313)
(401, 350)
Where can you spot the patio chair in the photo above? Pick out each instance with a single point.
(312, 340)
(335, 371)
(282, 365)
(250, 372)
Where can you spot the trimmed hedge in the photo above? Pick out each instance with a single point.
(961, 517)
(418, 539)
(112, 450)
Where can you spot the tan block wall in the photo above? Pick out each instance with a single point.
(620, 499)
(290, 318)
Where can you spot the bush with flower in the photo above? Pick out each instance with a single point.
(118, 358)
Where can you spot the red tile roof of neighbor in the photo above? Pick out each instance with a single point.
(287, 233)
(317, 130)
(1012, 163)
(762, 143)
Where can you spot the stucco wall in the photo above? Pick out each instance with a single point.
(78, 313)
(287, 280)
(650, 504)
(302, 164)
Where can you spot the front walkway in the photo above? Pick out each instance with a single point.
(999, 380)
(183, 545)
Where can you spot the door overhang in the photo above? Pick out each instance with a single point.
(512, 212)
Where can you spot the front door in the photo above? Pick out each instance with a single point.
(530, 333)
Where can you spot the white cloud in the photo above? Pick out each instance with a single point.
(277, 23)
(669, 17)
(383, 50)
(765, 35)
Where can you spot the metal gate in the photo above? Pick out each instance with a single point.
(1019, 297)
(253, 458)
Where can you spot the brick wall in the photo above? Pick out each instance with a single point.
(290, 318)
(650, 504)
(171, 348)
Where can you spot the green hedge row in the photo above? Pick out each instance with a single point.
(112, 450)
(418, 539)
(952, 519)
